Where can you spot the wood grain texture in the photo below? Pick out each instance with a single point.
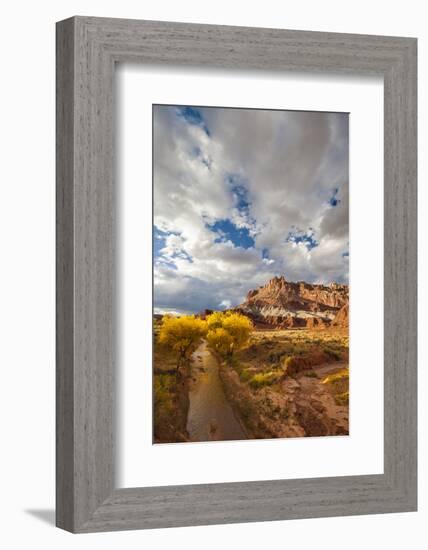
(64, 276)
(87, 49)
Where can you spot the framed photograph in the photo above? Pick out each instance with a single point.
(240, 352)
(236, 274)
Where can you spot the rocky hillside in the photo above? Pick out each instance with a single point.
(342, 317)
(291, 305)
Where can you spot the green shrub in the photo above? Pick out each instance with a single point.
(246, 374)
(263, 379)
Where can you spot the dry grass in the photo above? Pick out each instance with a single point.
(271, 355)
(338, 384)
(291, 383)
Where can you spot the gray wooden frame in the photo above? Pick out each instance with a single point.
(87, 50)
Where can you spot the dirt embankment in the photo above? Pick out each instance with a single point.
(276, 394)
(170, 398)
(296, 407)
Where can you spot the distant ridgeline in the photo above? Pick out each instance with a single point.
(285, 304)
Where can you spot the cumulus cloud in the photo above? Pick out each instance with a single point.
(242, 195)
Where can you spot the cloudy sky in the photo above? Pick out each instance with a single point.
(242, 195)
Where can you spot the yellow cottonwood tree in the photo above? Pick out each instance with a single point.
(182, 334)
(220, 340)
(228, 331)
(215, 319)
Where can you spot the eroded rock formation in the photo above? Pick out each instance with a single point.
(285, 304)
(342, 317)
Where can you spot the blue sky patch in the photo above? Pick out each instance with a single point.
(192, 115)
(159, 240)
(227, 231)
(333, 200)
(239, 190)
(297, 236)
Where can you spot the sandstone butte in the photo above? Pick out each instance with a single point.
(284, 304)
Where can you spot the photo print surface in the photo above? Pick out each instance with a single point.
(250, 274)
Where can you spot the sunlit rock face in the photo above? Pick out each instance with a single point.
(342, 317)
(292, 305)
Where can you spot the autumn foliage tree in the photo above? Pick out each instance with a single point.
(225, 332)
(215, 320)
(220, 340)
(182, 334)
(228, 331)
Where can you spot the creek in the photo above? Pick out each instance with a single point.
(210, 416)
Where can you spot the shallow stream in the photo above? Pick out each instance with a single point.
(210, 416)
